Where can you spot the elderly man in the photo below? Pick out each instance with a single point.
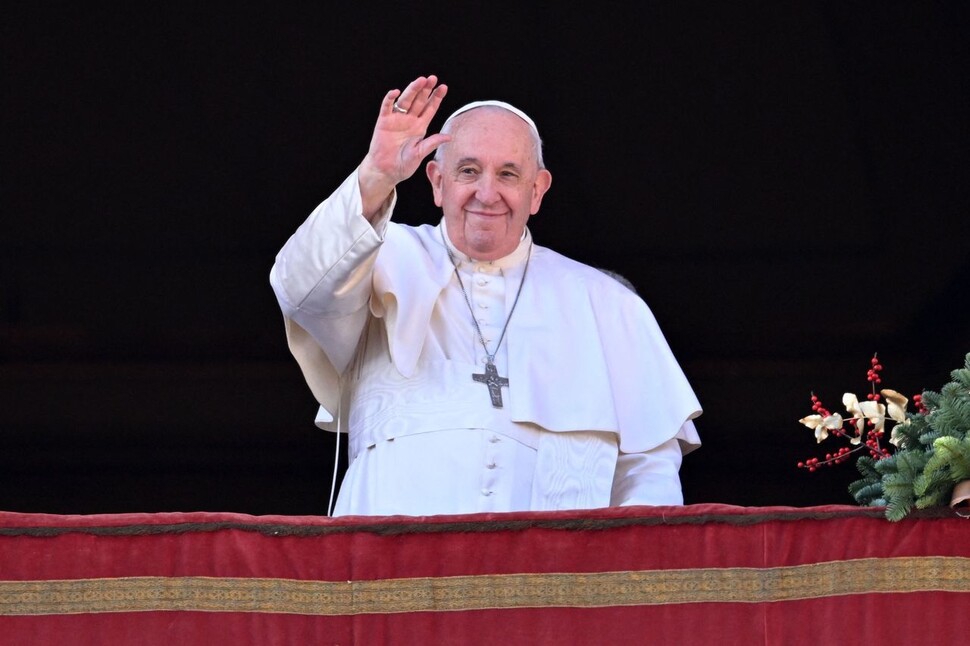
(474, 370)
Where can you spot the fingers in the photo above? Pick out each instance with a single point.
(387, 105)
(400, 140)
(430, 144)
(421, 98)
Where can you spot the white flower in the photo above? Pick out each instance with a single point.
(897, 404)
(875, 412)
(851, 403)
(897, 410)
(821, 425)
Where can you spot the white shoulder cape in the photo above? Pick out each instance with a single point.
(585, 353)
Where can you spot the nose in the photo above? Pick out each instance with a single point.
(487, 189)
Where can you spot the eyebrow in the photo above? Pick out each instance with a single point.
(474, 160)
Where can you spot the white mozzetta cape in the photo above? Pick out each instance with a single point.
(584, 352)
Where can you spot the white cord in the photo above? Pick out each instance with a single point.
(336, 461)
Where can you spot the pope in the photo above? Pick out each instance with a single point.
(472, 369)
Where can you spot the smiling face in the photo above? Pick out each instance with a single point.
(488, 182)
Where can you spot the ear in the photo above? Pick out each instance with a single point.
(539, 187)
(433, 171)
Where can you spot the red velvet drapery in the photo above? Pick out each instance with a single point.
(699, 574)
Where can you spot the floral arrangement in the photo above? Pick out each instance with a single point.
(926, 461)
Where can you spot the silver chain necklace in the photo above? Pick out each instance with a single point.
(490, 377)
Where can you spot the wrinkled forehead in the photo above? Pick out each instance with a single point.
(495, 104)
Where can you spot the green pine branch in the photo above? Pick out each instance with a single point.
(932, 455)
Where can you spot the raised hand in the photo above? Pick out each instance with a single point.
(399, 143)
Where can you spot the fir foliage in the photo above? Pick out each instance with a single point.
(932, 454)
(868, 490)
(914, 434)
(949, 464)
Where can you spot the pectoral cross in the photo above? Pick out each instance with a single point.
(491, 379)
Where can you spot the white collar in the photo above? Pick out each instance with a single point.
(513, 259)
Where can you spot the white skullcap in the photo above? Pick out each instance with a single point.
(498, 104)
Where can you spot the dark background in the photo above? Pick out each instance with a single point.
(785, 184)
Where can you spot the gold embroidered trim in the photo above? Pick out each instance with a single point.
(423, 594)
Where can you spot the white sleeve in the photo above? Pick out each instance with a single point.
(649, 478)
(322, 278)
(322, 275)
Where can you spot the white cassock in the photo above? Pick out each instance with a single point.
(597, 411)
